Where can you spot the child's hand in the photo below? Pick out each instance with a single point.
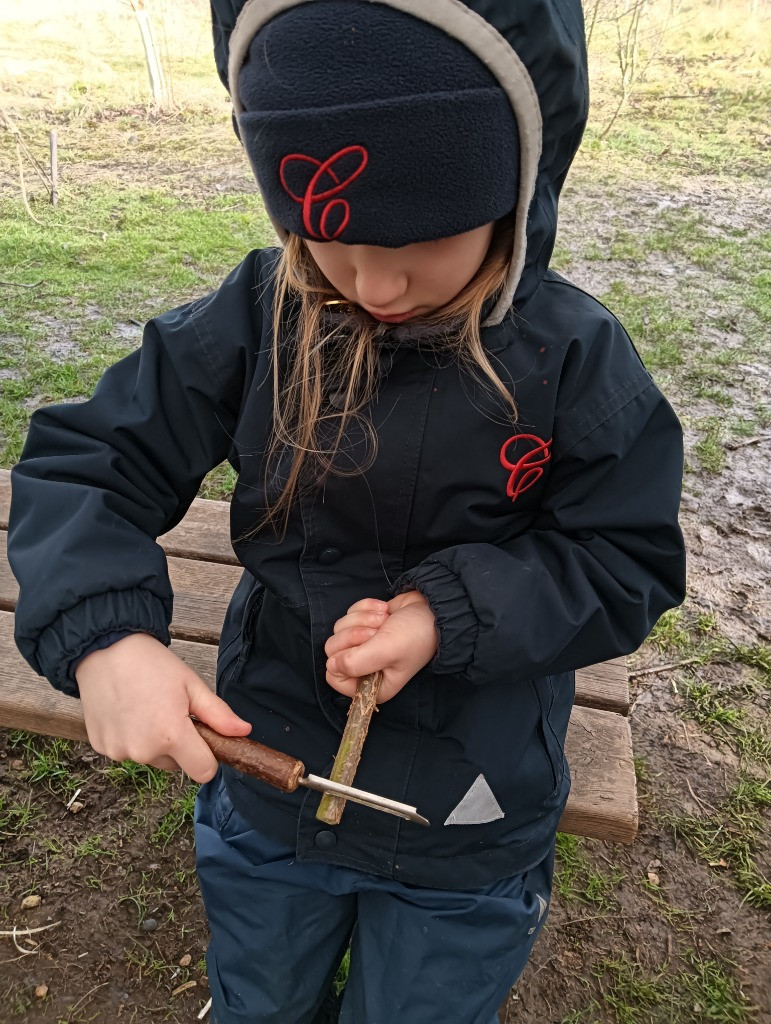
(137, 699)
(397, 637)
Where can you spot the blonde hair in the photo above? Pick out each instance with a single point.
(313, 359)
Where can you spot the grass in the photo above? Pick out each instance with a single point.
(731, 838)
(578, 880)
(150, 252)
(17, 817)
(178, 818)
(689, 56)
(698, 990)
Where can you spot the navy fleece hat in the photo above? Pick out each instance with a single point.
(367, 125)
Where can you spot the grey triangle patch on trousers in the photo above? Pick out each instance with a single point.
(477, 807)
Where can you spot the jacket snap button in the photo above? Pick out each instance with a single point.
(329, 556)
(326, 840)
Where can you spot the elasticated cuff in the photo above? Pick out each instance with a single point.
(100, 644)
(78, 628)
(456, 620)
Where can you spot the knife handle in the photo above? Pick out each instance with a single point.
(277, 769)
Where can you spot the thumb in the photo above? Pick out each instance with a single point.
(211, 709)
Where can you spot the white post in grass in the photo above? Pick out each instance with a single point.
(154, 67)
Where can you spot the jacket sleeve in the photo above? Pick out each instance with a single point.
(602, 560)
(99, 481)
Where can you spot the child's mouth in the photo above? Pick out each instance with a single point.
(397, 318)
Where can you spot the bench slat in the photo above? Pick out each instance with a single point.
(602, 803)
(202, 591)
(203, 534)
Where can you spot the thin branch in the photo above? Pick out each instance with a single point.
(744, 444)
(23, 187)
(11, 127)
(28, 931)
(667, 668)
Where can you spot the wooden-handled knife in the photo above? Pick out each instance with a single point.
(287, 773)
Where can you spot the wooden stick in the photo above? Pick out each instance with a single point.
(349, 753)
(54, 166)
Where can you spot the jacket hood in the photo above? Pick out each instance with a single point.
(535, 48)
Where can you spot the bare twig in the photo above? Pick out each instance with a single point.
(665, 668)
(745, 444)
(23, 186)
(360, 712)
(204, 1011)
(702, 803)
(19, 284)
(54, 150)
(28, 931)
(19, 139)
(72, 1009)
(687, 737)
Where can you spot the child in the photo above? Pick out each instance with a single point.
(452, 468)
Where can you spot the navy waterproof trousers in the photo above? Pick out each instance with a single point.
(280, 928)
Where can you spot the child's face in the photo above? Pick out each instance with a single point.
(395, 285)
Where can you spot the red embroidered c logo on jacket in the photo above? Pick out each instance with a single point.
(310, 196)
(528, 469)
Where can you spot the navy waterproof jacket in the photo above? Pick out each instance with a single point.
(542, 546)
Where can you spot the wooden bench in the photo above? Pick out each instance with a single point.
(204, 573)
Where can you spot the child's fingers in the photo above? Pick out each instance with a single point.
(369, 604)
(373, 619)
(370, 656)
(348, 638)
(345, 686)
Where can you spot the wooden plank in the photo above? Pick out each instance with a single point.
(602, 803)
(27, 701)
(204, 533)
(604, 686)
(202, 591)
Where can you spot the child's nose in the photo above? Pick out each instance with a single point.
(379, 286)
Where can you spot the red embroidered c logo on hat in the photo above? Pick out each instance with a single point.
(310, 196)
(528, 469)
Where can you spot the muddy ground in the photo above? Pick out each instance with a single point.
(128, 933)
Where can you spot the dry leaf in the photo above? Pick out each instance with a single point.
(29, 902)
(184, 988)
(186, 960)
(718, 863)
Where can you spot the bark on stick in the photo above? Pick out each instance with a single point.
(349, 753)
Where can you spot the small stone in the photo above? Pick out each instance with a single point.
(653, 878)
(29, 902)
(41, 991)
(185, 960)
(153, 867)
(76, 807)
(149, 924)
(17, 763)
